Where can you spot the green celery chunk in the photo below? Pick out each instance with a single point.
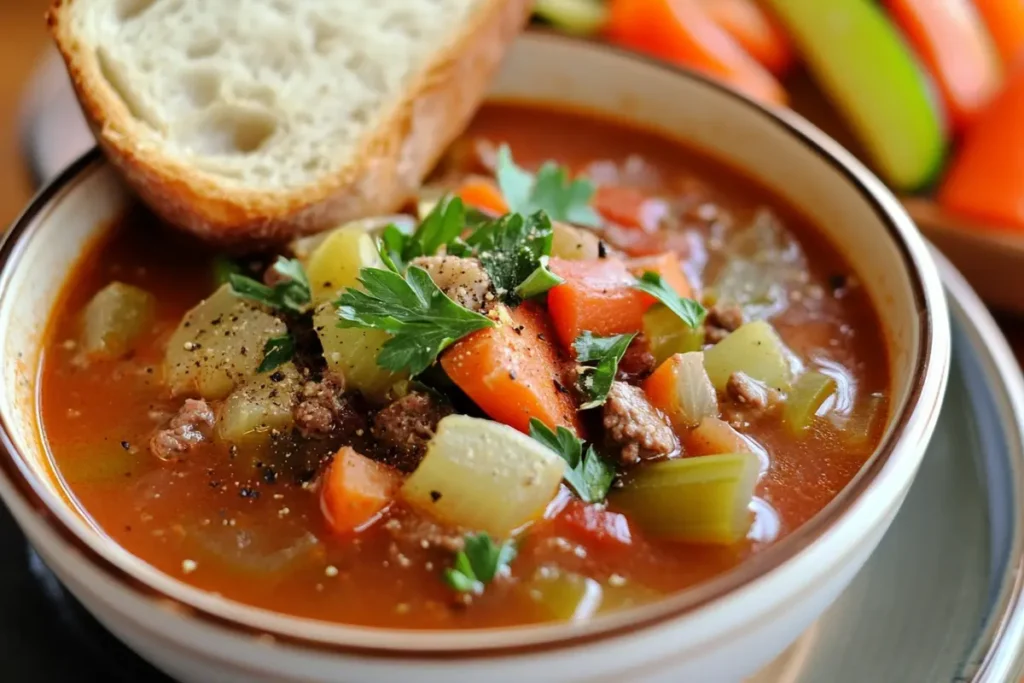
(578, 17)
(565, 596)
(692, 500)
(756, 350)
(667, 335)
(809, 392)
(115, 318)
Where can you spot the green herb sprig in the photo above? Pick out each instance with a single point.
(688, 310)
(588, 474)
(478, 563)
(595, 381)
(549, 191)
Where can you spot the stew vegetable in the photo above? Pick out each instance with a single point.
(585, 369)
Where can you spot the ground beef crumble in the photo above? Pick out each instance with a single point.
(638, 362)
(322, 409)
(189, 428)
(720, 321)
(405, 426)
(635, 426)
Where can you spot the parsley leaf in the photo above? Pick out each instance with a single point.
(442, 226)
(595, 381)
(688, 310)
(588, 474)
(418, 315)
(550, 191)
(539, 281)
(511, 248)
(276, 352)
(291, 295)
(478, 564)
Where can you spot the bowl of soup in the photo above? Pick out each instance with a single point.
(629, 391)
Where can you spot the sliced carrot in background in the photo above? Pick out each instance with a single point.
(483, 194)
(986, 177)
(356, 490)
(621, 205)
(681, 32)
(950, 39)
(755, 31)
(514, 371)
(1005, 22)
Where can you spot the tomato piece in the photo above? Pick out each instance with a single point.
(593, 525)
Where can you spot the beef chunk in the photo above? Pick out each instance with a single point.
(638, 361)
(189, 428)
(464, 280)
(720, 321)
(635, 426)
(748, 399)
(407, 424)
(323, 410)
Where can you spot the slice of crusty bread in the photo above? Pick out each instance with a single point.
(252, 121)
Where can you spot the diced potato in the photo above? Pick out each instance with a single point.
(692, 500)
(351, 354)
(484, 475)
(303, 247)
(218, 345)
(715, 437)
(258, 407)
(565, 596)
(667, 335)
(809, 392)
(335, 264)
(115, 318)
(756, 350)
(680, 388)
(574, 244)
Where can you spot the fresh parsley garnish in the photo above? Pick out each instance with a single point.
(511, 249)
(549, 191)
(606, 352)
(276, 352)
(418, 315)
(688, 310)
(223, 269)
(442, 226)
(539, 281)
(588, 474)
(291, 295)
(478, 563)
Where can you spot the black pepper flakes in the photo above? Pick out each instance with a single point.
(435, 496)
(277, 376)
(269, 475)
(125, 445)
(602, 250)
(248, 493)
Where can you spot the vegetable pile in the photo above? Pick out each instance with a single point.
(932, 89)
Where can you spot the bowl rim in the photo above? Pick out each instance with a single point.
(930, 303)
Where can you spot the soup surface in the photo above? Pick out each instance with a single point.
(255, 449)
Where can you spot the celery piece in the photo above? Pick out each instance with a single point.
(756, 350)
(692, 500)
(809, 392)
(115, 318)
(565, 596)
(862, 426)
(667, 335)
(480, 474)
(578, 17)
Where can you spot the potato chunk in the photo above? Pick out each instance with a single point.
(484, 475)
(351, 355)
(574, 244)
(218, 345)
(257, 408)
(336, 262)
(114, 319)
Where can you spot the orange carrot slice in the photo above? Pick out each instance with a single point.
(755, 31)
(356, 490)
(514, 371)
(483, 194)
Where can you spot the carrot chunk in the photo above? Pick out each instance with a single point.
(598, 295)
(593, 525)
(755, 31)
(356, 490)
(514, 371)
(483, 194)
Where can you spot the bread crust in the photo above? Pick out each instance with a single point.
(389, 164)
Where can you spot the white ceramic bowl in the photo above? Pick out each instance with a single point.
(720, 631)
